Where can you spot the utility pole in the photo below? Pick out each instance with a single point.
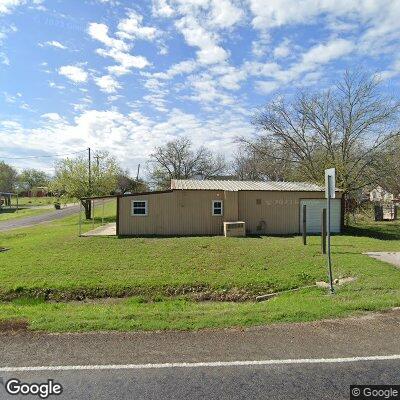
(138, 170)
(97, 157)
(90, 171)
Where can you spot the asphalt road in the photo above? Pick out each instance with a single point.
(285, 361)
(38, 219)
(316, 381)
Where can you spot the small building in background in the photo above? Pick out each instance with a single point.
(39, 191)
(380, 195)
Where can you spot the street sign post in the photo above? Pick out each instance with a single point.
(329, 194)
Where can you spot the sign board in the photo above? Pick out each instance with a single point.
(330, 189)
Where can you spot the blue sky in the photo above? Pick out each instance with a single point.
(126, 76)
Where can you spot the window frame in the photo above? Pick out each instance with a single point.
(213, 208)
(146, 209)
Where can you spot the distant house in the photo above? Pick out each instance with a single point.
(39, 191)
(380, 195)
(200, 207)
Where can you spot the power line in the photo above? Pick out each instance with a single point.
(47, 156)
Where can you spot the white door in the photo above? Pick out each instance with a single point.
(314, 209)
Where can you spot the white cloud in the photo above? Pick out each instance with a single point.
(206, 90)
(269, 14)
(4, 59)
(6, 6)
(324, 53)
(129, 137)
(392, 71)
(53, 43)
(283, 49)
(225, 14)
(74, 73)
(260, 47)
(183, 67)
(266, 87)
(379, 20)
(117, 49)
(107, 83)
(161, 8)
(157, 100)
(195, 35)
(55, 117)
(131, 28)
(100, 33)
(55, 86)
(126, 61)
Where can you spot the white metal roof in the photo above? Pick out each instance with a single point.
(234, 186)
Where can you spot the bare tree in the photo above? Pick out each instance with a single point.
(261, 161)
(390, 161)
(178, 160)
(345, 127)
(125, 183)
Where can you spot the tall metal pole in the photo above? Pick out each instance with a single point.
(80, 219)
(329, 233)
(92, 214)
(323, 231)
(90, 171)
(138, 170)
(102, 217)
(304, 224)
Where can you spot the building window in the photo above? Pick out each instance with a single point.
(217, 207)
(139, 208)
(258, 201)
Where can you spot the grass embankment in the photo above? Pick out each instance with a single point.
(165, 277)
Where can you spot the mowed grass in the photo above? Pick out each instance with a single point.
(160, 275)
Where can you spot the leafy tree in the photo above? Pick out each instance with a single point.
(178, 160)
(72, 178)
(30, 178)
(8, 177)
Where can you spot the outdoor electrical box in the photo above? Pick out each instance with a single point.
(234, 229)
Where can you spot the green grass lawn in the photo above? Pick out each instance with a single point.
(159, 280)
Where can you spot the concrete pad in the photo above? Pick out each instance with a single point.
(105, 230)
(389, 257)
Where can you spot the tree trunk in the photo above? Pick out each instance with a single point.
(87, 204)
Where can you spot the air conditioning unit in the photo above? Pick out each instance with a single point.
(234, 229)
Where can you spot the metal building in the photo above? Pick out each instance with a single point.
(200, 207)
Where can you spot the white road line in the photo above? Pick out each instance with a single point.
(201, 364)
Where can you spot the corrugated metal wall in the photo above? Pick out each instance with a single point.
(181, 212)
(272, 212)
(189, 212)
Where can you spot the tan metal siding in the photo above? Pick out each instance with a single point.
(189, 212)
(177, 213)
(277, 212)
(231, 203)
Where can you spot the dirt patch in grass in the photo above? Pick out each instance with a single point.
(149, 294)
(14, 325)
